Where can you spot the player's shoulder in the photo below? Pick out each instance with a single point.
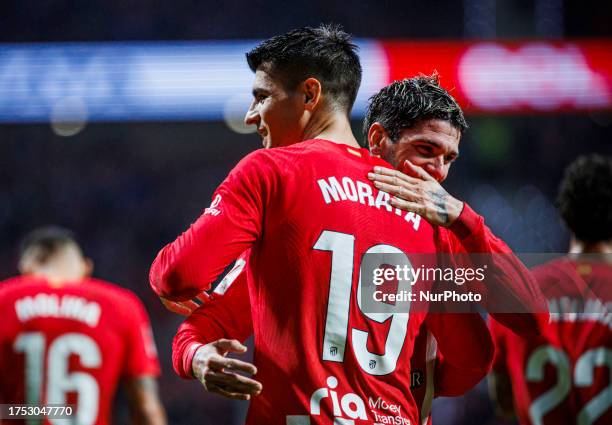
(564, 271)
(258, 161)
(332, 154)
(291, 151)
(553, 270)
(111, 292)
(309, 156)
(20, 284)
(323, 147)
(571, 276)
(279, 160)
(11, 282)
(307, 148)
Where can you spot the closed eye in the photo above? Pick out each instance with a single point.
(450, 158)
(425, 149)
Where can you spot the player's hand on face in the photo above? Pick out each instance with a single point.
(219, 374)
(416, 191)
(185, 308)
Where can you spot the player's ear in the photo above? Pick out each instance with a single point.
(376, 137)
(26, 265)
(311, 91)
(88, 267)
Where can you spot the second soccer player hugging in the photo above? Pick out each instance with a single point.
(318, 352)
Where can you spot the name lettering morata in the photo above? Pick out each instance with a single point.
(345, 189)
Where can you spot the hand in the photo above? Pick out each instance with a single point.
(185, 308)
(217, 373)
(418, 192)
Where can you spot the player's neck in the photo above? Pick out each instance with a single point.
(334, 127)
(58, 274)
(581, 247)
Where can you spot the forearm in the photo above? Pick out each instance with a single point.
(227, 317)
(150, 413)
(145, 405)
(509, 286)
(500, 392)
(466, 351)
(193, 333)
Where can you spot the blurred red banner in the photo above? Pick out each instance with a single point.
(528, 76)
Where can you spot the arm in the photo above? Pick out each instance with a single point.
(222, 317)
(145, 406)
(229, 227)
(500, 392)
(462, 231)
(141, 365)
(515, 289)
(203, 341)
(499, 383)
(185, 308)
(466, 351)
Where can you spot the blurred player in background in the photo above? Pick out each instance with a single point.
(302, 268)
(564, 376)
(69, 339)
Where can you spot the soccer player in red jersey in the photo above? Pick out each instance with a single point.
(564, 376)
(69, 339)
(225, 320)
(267, 192)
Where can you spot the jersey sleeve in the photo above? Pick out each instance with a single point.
(230, 226)
(141, 353)
(465, 351)
(498, 333)
(223, 316)
(514, 285)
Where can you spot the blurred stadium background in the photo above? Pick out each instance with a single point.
(119, 118)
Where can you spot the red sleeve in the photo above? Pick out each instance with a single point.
(226, 316)
(227, 228)
(514, 284)
(465, 351)
(141, 354)
(498, 333)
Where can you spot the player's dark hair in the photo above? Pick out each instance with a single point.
(404, 103)
(585, 198)
(46, 241)
(326, 53)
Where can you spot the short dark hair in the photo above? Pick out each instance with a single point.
(325, 53)
(585, 198)
(46, 241)
(404, 103)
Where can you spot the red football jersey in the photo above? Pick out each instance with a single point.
(71, 344)
(227, 314)
(309, 213)
(564, 376)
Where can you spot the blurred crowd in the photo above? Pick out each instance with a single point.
(116, 20)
